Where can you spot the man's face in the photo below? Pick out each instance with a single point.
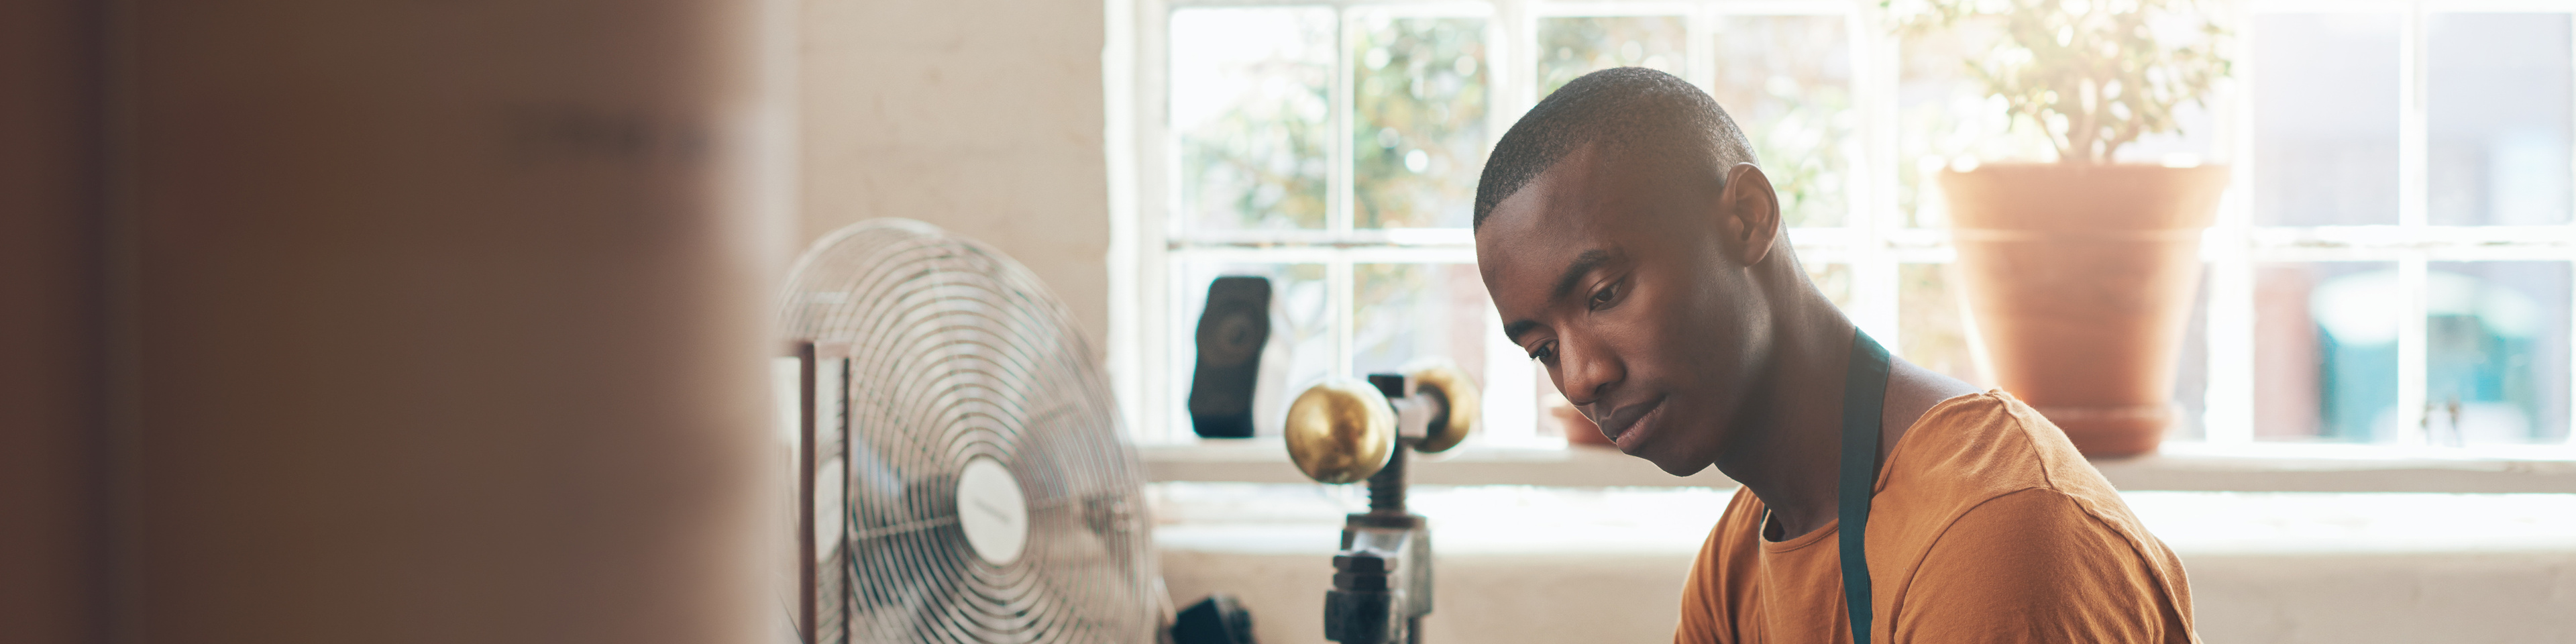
(1621, 280)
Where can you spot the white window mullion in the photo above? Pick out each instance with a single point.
(1874, 79)
(1337, 275)
(1338, 215)
(1510, 418)
(1119, 144)
(2410, 349)
(2413, 202)
(1875, 214)
(1511, 67)
(1511, 414)
(1177, 358)
(1699, 46)
(1139, 358)
(2412, 156)
(1338, 180)
(2228, 414)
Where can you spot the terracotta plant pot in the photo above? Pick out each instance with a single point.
(2081, 280)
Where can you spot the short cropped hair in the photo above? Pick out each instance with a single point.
(1628, 111)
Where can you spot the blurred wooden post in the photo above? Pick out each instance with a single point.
(422, 322)
(52, 298)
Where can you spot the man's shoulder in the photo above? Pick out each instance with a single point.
(1993, 507)
(1974, 448)
(2038, 565)
(1988, 442)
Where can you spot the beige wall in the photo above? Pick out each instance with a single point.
(980, 116)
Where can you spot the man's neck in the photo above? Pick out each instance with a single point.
(1791, 444)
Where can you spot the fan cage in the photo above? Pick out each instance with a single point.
(954, 352)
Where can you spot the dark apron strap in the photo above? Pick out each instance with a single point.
(1864, 399)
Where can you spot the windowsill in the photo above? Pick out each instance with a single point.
(1265, 460)
(2181, 466)
(1240, 518)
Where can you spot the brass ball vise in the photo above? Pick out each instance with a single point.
(1345, 431)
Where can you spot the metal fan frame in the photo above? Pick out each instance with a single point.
(977, 347)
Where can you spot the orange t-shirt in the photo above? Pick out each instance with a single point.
(1985, 526)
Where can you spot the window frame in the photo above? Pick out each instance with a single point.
(1875, 242)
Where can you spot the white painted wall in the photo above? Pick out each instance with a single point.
(1576, 565)
(981, 116)
(2350, 598)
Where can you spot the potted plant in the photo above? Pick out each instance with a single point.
(2079, 272)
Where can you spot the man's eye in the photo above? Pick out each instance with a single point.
(1544, 352)
(1601, 298)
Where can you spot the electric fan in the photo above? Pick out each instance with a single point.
(966, 478)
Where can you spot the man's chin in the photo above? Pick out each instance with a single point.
(1683, 468)
(1670, 463)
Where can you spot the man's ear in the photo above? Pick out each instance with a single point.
(1749, 214)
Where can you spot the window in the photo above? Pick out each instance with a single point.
(2391, 265)
(2403, 211)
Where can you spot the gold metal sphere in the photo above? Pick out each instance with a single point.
(1340, 431)
(1459, 394)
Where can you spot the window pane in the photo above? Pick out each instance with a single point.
(2495, 355)
(1944, 114)
(1787, 81)
(1250, 101)
(1932, 332)
(2325, 351)
(1571, 47)
(2325, 119)
(2498, 106)
(1418, 135)
(1300, 349)
(1409, 312)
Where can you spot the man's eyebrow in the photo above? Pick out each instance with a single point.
(1565, 282)
(1574, 272)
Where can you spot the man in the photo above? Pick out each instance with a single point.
(1634, 247)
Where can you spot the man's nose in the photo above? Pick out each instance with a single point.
(1588, 371)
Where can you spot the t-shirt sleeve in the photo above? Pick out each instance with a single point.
(1699, 599)
(2033, 566)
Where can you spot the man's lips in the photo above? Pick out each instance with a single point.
(1623, 419)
